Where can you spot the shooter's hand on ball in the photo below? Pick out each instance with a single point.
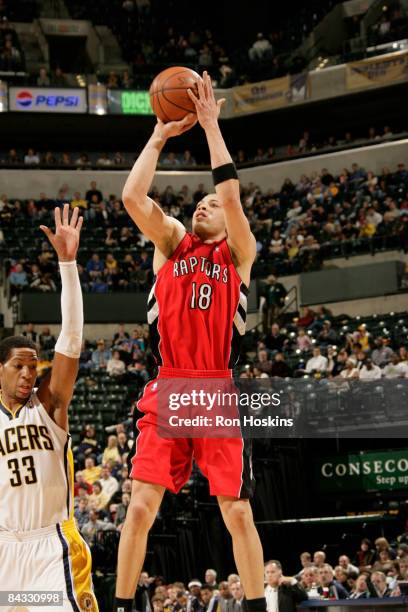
(163, 131)
(207, 107)
(65, 240)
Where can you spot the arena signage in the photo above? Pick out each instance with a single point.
(363, 472)
(125, 102)
(47, 100)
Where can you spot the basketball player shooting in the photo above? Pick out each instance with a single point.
(196, 313)
(40, 547)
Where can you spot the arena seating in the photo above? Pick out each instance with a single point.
(297, 228)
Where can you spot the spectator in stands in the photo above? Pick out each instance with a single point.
(18, 279)
(319, 559)
(345, 563)
(123, 443)
(370, 371)
(395, 369)
(94, 191)
(111, 451)
(379, 582)
(279, 366)
(99, 498)
(90, 529)
(282, 593)
(120, 335)
(275, 294)
(88, 446)
(234, 604)
(79, 202)
(264, 364)
(81, 513)
(121, 510)
(100, 356)
(46, 339)
(360, 590)
(341, 577)
(91, 472)
(81, 482)
(30, 333)
(305, 561)
(43, 79)
(327, 336)
(31, 158)
(317, 363)
(275, 340)
(108, 482)
(350, 371)
(365, 555)
(261, 50)
(170, 159)
(58, 78)
(382, 353)
(326, 581)
(309, 579)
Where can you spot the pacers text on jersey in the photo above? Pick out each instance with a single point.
(25, 437)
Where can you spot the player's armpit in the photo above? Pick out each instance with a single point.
(164, 231)
(56, 390)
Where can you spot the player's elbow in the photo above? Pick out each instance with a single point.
(132, 200)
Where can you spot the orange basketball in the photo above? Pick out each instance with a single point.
(168, 93)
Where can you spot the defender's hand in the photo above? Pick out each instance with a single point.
(66, 238)
(174, 128)
(207, 107)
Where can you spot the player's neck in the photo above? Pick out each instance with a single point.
(10, 403)
(210, 238)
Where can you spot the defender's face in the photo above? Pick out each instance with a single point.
(18, 374)
(208, 216)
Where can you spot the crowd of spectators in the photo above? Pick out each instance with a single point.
(316, 344)
(306, 145)
(297, 227)
(392, 25)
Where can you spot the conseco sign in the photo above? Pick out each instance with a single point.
(47, 100)
(363, 472)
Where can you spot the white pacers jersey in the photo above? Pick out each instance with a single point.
(36, 469)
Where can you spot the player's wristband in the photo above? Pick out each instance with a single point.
(224, 173)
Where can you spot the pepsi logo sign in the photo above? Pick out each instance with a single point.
(24, 99)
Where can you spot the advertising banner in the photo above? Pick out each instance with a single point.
(3, 97)
(363, 472)
(382, 70)
(97, 100)
(267, 95)
(125, 102)
(47, 100)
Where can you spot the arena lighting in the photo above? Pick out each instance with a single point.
(100, 111)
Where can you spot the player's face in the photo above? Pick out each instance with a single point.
(18, 374)
(208, 218)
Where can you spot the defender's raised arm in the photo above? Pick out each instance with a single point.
(55, 393)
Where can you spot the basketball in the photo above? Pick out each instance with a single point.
(168, 93)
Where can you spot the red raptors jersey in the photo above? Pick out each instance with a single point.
(197, 307)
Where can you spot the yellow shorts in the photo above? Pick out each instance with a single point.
(52, 559)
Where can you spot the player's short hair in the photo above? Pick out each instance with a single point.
(207, 587)
(12, 342)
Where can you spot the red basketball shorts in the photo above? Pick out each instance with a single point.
(225, 462)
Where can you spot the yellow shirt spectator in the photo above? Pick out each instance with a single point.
(78, 202)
